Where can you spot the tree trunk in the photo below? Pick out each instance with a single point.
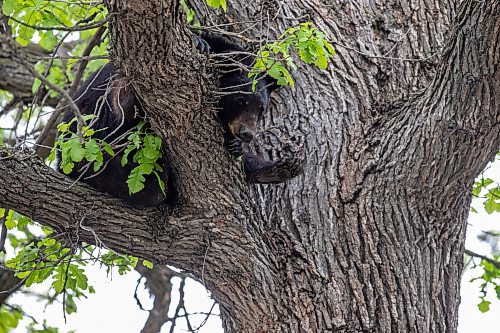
(371, 236)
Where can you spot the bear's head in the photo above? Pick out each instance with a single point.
(239, 107)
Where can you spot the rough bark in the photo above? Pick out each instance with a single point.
(370, 238)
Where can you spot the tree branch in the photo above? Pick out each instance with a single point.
(76, 210)
(463, 103)
(159, 284)
(442, 124)
(485, 258)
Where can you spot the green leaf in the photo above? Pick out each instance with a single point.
(70, 305)
(47, 40)
(88, 132)
(330, 48)
(52, 156)
(8, 7)
(77, 153)
(31, 278)
(67, 167)
(484, 306)
(321, 62)
(127, 151)
(490, 206)
(10, 222)
(22, 275)
(26, 33)
(135, 180)
(46, 242)
(9, 319)
(99, 162)
(92, 150)
(108, 149)
(24, 42)
(23, 222)
(147, 264)
(58, 283)
(217, 3)
(79, 275)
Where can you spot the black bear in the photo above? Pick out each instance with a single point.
(118, 110)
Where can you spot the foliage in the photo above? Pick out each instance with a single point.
(75, 149)
(142, 142)
(275, 58)
(190, 13)
(37, 18)
(9, 319)
(217, 4)
(489, 190)
(489, 277)
(43, 256)
(147, 148)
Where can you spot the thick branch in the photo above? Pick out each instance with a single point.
(47, 197)
(159, 284)
(444, 124)
(463, 103)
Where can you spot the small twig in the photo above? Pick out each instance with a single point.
(476, 255)
(79, 58)
(94, 41)
(64, 287)
(21, 60)
(207, 315)
(203, 266)
(63, 28)
(139, 280)
(179, 306)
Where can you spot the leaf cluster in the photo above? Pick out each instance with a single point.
(490, 277)
(9, 319)
(489, 190)
(28, 15)
(46, 258)
(75, 149)
(147, 152)
(275, 59)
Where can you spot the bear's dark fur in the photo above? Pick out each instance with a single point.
(118, 110)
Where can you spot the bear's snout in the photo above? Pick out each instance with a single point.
(245, 133)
